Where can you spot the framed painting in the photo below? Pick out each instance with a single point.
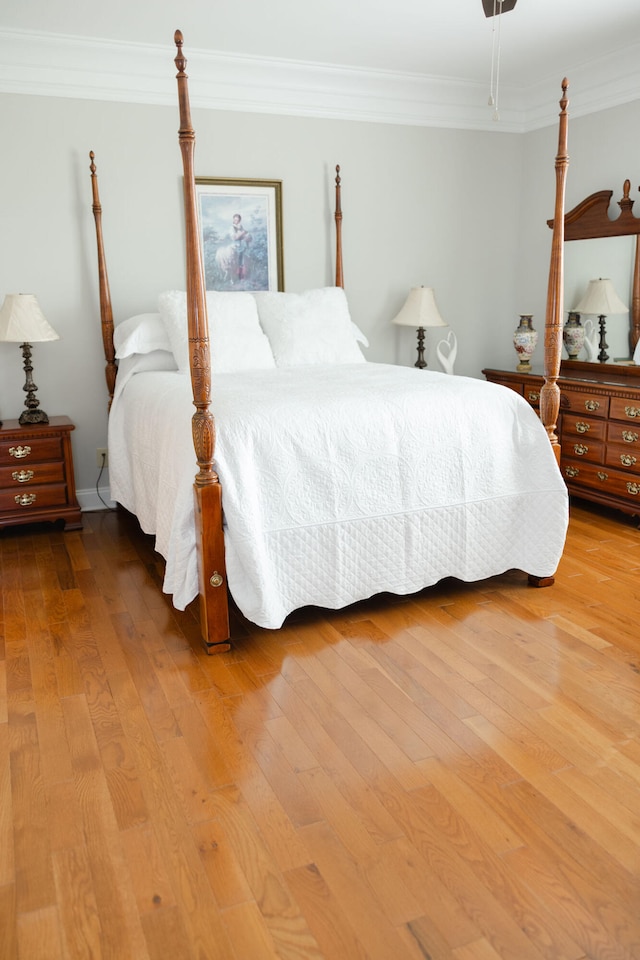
(241, 233)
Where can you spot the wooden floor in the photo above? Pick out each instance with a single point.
(454, 775)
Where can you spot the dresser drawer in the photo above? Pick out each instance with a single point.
(517, 387)
(531, 393)
(30, 449)
(583, 426)
(623, 457)
(591, 403)
(52, 495)
(622, 409)
(585, 449)
(31, 474)
(606, 480)
(623, 433)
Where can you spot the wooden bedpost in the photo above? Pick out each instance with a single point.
(214, 613)
(106, 313)
(550, 393)
(338, 220)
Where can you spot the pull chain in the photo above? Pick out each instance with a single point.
(495, 58)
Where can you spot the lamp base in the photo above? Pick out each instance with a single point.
(603, 356)
(420, 362)
(32, 416)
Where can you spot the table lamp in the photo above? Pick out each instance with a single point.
(601, 300)
(420, 311)
(22, 321)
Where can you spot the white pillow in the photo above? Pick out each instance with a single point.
(236, 338)
(140, 334)
(309, 328)
(143, 362)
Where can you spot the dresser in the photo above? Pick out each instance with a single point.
(598, 428)
(36, 474)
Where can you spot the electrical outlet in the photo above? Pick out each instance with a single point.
(102, 457)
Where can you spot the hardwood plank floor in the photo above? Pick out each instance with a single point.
(453, 775)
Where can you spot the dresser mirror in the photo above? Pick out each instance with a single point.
(608, 245)
(611, 257)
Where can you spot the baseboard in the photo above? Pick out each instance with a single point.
(89, 499)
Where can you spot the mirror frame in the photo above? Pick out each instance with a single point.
(590, 220)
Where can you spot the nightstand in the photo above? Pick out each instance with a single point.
(36, 474)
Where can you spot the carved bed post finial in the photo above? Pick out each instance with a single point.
(550, 393)
(106, 313)
(338, 220)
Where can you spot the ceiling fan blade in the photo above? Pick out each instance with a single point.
(487, 6)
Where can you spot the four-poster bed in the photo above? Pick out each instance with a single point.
(381, 504)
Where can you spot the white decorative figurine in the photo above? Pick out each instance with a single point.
(446, 351)
(590, 340)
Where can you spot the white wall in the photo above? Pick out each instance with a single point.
(421, 206)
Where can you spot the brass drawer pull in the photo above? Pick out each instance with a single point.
(583, 427)
(632, 411)
(592, 405)
(633, 488)
(25, 499)
(580, 449)
(19, 452)
(216, 580)
(22, 476)
(601, 475)
(629, 436)
(533, 396)
(571, 471)
(627, 459)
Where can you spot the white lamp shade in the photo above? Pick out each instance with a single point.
(420, 310)
(601, 300)
(22, 320)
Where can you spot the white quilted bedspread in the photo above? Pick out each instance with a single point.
(343, 481)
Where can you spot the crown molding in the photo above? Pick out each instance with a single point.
(82, 68)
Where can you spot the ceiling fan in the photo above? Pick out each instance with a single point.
(492, 8)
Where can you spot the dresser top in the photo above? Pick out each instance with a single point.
(617, 375)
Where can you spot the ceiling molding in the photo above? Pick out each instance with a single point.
(82, 68)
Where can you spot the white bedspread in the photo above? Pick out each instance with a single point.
(340, 482)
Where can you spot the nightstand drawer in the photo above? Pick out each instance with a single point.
(52, 495)
(31, 474)
(29, 449)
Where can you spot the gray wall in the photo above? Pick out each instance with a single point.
(461, 211)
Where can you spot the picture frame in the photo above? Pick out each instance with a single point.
(240, 225)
